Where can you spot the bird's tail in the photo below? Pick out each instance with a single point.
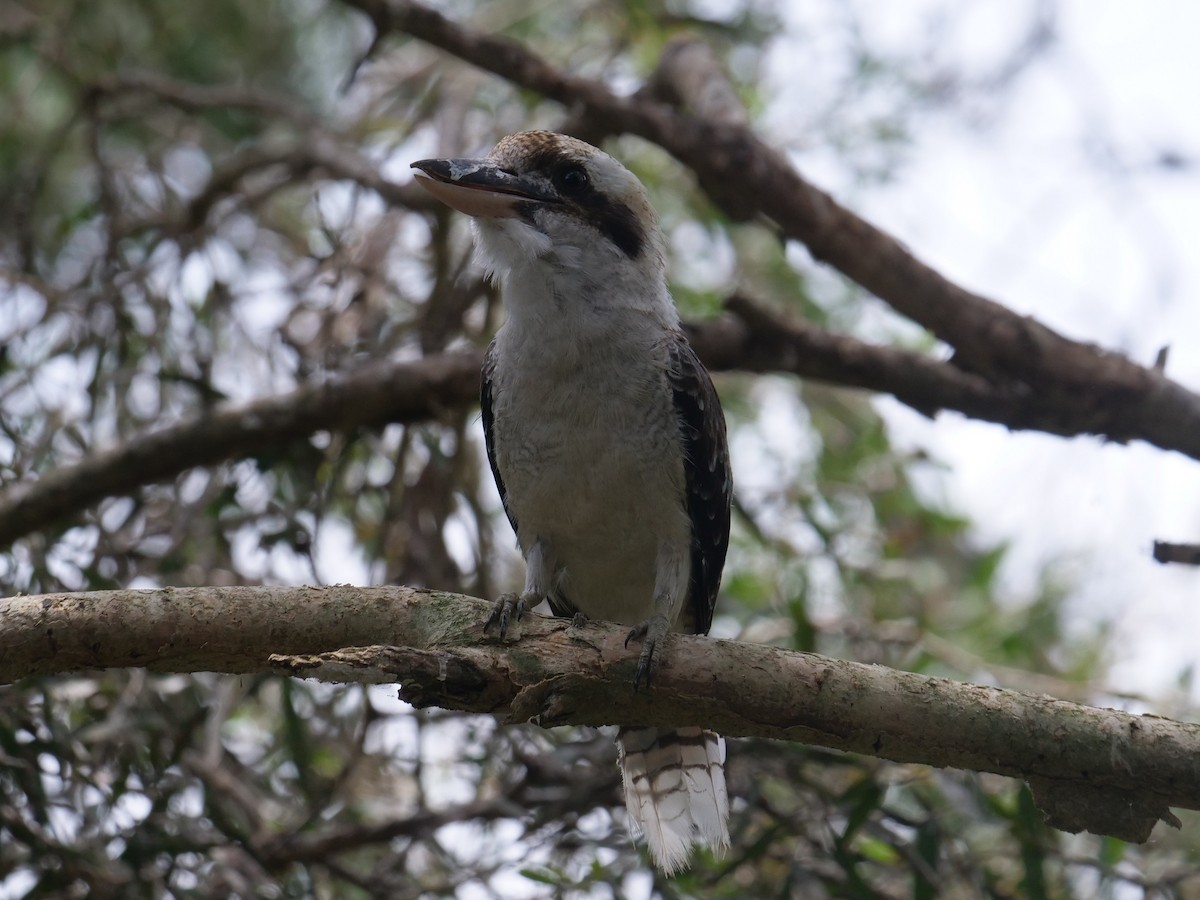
(675, 790)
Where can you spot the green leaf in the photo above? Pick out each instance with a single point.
(864, 798)
(928, 847)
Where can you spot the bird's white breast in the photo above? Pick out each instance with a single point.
(587, 443)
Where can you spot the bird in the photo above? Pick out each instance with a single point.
(606, 439)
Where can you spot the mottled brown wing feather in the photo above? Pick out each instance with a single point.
(707, 473)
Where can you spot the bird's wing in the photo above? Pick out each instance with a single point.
(707, 475)
(489, 419)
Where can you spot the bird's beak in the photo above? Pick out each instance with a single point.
(477, 187)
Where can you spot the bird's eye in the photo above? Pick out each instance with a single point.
(572, 180)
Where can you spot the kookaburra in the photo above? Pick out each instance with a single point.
(605, 436)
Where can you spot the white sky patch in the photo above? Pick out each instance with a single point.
(187, 168)
(702, 259)
(21, 308)
(338, 556)
(196, 276)
(459, 535)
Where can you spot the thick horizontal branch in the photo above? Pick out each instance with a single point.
(758, 339)
(1103, 770)
(746, 178)
(752, 339)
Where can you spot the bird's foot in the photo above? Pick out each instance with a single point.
(653, 635)
(509, 608)
(579, 620)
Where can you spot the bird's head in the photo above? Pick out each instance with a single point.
(547, 200)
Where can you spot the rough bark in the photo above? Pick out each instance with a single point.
(1097, 769)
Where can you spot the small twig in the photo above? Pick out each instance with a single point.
(1185, 554)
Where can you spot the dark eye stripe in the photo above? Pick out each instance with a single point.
(616, 222)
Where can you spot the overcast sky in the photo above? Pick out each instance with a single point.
(1058, 206)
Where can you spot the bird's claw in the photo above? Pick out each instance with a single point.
(508, 607)
(652, 633)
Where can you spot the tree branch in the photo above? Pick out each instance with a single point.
(759, 339)
(1104, 770)
(748, 179)
(753, 339)
(373, 395)
(1167, 552)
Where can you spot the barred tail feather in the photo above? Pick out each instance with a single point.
(675, 790)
